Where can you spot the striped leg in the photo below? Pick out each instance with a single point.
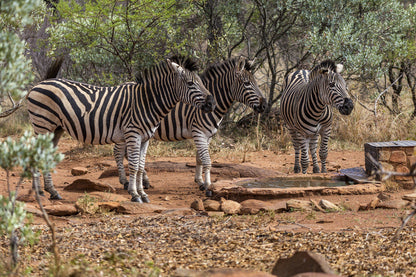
(47, 178)
(119, 153)
(313, 144)
(323, 151)
(304, 160)
(296, 146)
(136, 153)
(203, 162)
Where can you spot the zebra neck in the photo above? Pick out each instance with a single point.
(313, 99)
(152, 102)
(220, 86)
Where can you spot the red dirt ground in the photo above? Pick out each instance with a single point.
(177, 189)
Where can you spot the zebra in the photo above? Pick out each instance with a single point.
(128, 113)
(305, 106)
(228, 81)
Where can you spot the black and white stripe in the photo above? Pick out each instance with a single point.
(228, 81)
(128, 114)
(305, 107)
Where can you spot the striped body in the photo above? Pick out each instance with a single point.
(127, 114)
(305, 107)
(228, 81)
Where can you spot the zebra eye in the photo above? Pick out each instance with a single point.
(332, 84)
(247, 83)
(190, 83)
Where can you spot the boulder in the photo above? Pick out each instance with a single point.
(61, 210)
(88, 185)
(230, 206)
(78, 171)
(139, 208)
(395, 204)
(198, 205)
(109, 206)
(301, 262)
(212, 205)
(371, 205)
(109, 197)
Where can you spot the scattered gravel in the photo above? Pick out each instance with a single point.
(122, 246)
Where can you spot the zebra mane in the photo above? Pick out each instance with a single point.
(327, 64)
(226, 64)
(186, 62)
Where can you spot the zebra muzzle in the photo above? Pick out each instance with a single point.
(261, 107)
(347, 107)
(209, 105)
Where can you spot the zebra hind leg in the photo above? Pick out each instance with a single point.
(48, 184)
(296, 146)
(145, 180)
(119, 154)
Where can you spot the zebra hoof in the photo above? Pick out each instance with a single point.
(126, 186)
(145, 199)
(55, 197)
(136, 199)
(208, 193)
(201, 187)
(296, 169)
(316, 169)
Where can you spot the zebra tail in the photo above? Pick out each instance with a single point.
(54, 69)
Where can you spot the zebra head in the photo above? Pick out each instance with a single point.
(333, 88)
(245, 87)
(189, 86)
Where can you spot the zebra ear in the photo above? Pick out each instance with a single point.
(241, 64)
(339, 68)
(179, 69)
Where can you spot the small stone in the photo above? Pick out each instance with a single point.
(328, 206)
(179, 211)
(230, 206)
(212, 205)
(108, 206)
(108, 197)
(371, 205)
(383, 196)
(215, 213)
(402, 169)
(398, 157)
(254, 206)
(78, 171)
(198, 205)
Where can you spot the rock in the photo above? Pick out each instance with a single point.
(295, 205)
(383, 196)
(409, 197)
(78, 171)
(301, 262)
(371, 205)
(139, 208)
(88, 185)
(28, 196)
(179, 211)
(109, 206)
(328, 206)
(215, 213)
(33, 210)
(226, 272)
(109, 197)
(61, 210)
(198, 205)
(411, 161)
(315, 274)
(398, 157)
(212, 205)
(87, 205)
(396, 204)
(230, 206)
(254, 206)
(317, 207)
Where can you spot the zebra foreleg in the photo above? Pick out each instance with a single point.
(304, 157)
(119, 153)
(323, 152)
(313, 144)
(203, 163)
(296, 146)
(133, 151)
